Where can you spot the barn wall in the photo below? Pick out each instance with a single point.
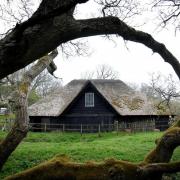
(100, 105)
(36, 122)
(84, 120)
(132, 123)
(143, 123)
(77, 113)
(162, 122)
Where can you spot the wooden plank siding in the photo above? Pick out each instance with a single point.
(101, 106)
(77, 113)
(161, 122)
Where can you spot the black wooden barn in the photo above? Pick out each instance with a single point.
(104, 102)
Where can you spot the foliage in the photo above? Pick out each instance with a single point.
(38, 147)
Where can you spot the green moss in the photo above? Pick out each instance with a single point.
(177, 122)
(133, 104)
(172, 131)
(23, 87)
(117, 102)
(136, 103)
(63, 168)
(164, 148)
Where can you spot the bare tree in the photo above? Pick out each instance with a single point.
(165, 90)
(88, 75)
(44, 83)
(147, 89)
(106, 72)
(102, 71)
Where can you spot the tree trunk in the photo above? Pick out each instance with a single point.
(20, 127)
(10, 143)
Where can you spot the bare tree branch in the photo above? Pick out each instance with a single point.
(165, 90)
(103, 71)
(20, 47)
(106, 72)
(169, 11)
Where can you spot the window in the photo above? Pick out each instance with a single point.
(89, 99)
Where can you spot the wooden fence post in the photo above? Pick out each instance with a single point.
(99, 130)
(45, 127)
(63, 127)
(117, 127)
(81, 129)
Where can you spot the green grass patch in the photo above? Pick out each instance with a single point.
(38, 147)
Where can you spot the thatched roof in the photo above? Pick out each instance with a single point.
(120, 96)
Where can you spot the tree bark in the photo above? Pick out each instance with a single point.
(152, 168)
(53, 24)
(20, 127)
(165, 147)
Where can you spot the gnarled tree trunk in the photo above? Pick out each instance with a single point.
(21, 125)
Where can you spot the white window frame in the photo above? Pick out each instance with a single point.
(89, 99)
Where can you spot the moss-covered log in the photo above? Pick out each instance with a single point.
(165, 147)
(64, 168)
(152, 168)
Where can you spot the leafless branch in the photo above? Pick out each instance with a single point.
(169, 11)
(164, 88)
(102, 71)
(75, 48)
(124, 9)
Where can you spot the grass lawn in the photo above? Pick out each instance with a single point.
(38, 147)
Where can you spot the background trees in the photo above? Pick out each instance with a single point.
(166, 93)
(42, 85)
(163, 91)
(103, 71)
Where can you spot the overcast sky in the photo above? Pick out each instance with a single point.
(133, 61)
